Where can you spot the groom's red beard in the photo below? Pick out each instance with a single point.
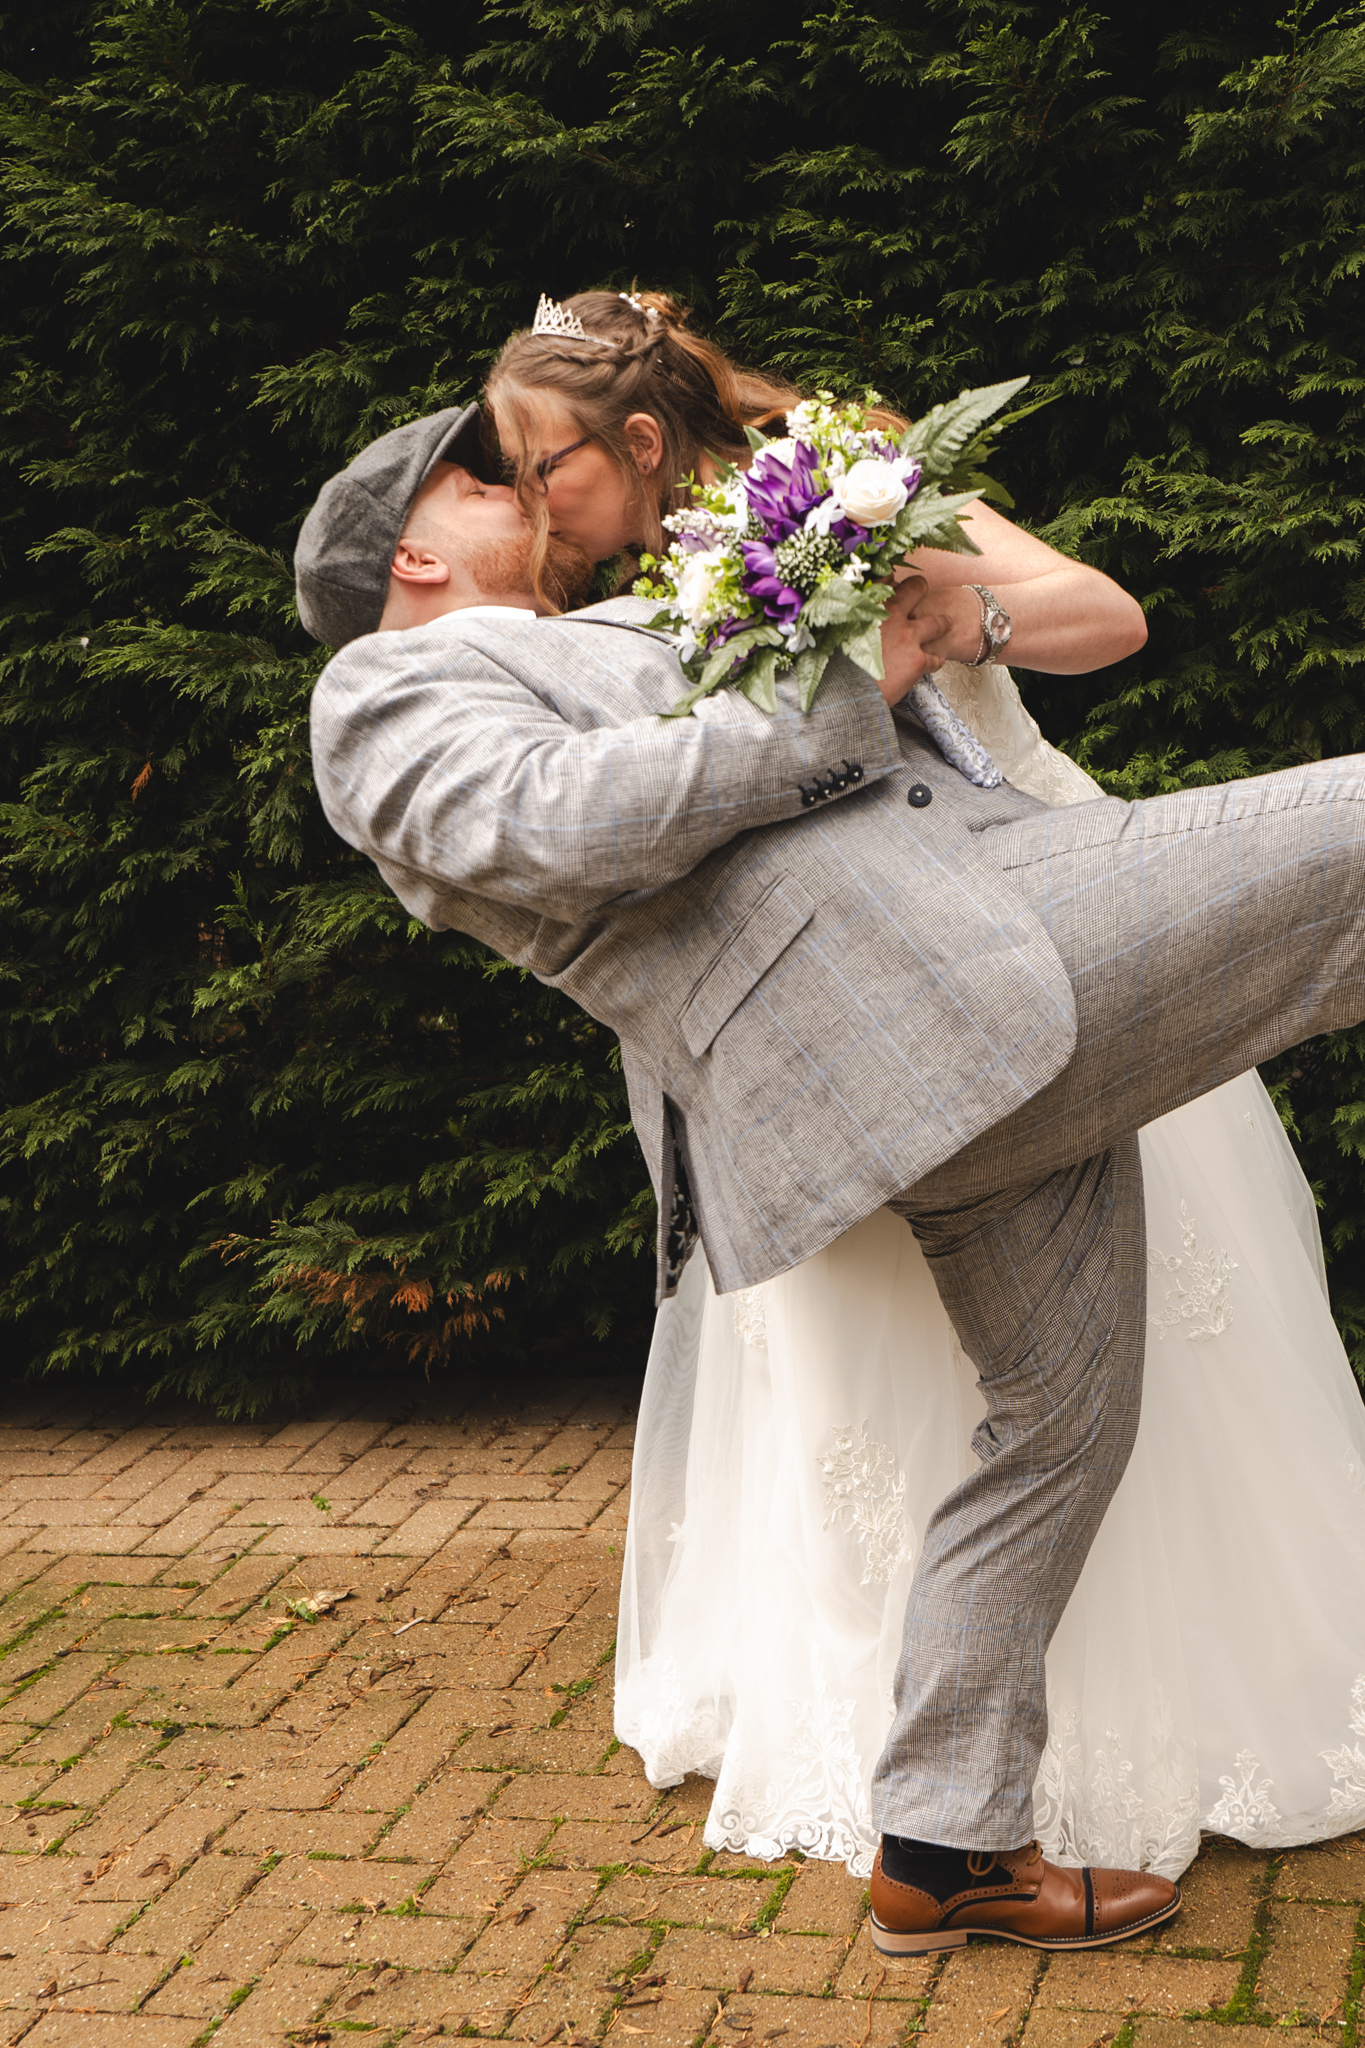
(502, 568)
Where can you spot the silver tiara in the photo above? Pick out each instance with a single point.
(561, 325)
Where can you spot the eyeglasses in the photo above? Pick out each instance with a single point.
(547, 464)
(552, 462)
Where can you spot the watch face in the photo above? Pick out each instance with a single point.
(999, 627)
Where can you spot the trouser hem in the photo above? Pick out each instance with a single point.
(996, 1834)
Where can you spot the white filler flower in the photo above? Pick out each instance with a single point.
(873, 492)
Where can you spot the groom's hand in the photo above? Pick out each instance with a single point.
(905, 635)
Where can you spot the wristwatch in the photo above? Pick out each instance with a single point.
(995, 626)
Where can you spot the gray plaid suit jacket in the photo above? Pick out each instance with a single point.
(821, 990)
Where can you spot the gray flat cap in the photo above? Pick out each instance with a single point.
(341, 563)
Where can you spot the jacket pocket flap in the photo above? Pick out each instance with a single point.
(749, 951)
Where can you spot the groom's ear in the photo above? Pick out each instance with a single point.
(414, 563)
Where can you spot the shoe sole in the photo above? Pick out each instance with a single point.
(888, 1941)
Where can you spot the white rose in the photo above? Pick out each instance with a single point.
(872, 492)
(697, 585)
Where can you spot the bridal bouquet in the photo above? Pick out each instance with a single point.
(776, 567)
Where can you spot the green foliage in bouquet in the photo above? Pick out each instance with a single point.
(249, 1114)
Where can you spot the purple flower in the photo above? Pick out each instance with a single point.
(778, 599)
(781, 493)
(848, 533)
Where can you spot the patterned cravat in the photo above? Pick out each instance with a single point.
(960, 748)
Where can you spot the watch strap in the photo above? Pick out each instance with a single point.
(990, 606)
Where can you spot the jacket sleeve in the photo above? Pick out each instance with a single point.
(433, 759)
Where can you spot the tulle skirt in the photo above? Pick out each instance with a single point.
(1209, 1671)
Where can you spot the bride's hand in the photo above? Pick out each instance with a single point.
(957, 613)
(907, 634)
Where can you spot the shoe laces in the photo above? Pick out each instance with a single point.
(981, 1862)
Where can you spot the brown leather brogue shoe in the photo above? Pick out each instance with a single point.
(1038, 1903)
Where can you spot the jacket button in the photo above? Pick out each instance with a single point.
(919, 794)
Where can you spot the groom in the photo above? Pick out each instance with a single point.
(844, 976)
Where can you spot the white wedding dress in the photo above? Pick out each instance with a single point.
(793, 1440)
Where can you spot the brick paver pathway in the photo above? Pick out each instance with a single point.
(244, 1808)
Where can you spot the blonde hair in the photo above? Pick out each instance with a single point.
(701, 400)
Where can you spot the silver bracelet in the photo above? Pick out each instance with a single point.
(996, 626)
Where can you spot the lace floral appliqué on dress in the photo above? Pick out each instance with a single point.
(1201, 1299)
(864, 1494)
(1246, 1809)
(1094, 1812)
(674, 1732)
(816, 1800)
(1347, 1766)
(751, 1325)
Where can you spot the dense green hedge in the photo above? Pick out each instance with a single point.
(248, 1110)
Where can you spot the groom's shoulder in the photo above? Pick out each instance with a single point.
(506, 636)
(489, 646)
(448, 636)
(601, 663)
(634, 613)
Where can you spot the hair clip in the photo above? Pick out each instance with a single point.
(556, 322)
(650, 312)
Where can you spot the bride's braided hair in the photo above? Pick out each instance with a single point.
(701, 400)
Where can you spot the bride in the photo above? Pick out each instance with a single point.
(1209, 1670)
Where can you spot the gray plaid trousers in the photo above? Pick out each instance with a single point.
(1202, 933)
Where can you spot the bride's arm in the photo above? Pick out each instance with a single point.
(1066, 617)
